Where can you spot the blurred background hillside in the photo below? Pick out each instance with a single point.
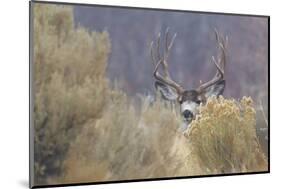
(132, 30)
(86, 130)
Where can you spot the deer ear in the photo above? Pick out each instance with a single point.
(215, 90)
(167, 92)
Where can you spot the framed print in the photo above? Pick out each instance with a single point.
(121, 94)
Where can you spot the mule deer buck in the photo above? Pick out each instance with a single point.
(189, 100)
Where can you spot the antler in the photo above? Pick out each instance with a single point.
(219, 63)
(163, 61)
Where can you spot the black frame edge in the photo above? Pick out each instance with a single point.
(148, 180)
(148, 8)
(31, 147)
(31, 133)
(268, 113)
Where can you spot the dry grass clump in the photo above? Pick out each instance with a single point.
(69, 67)
(85, 131)
(262, 123)
(223, 137)
(128, 144)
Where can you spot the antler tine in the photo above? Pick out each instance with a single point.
(217, 34)
(151, 53)
(219, 63)
(219, 70)
(169, 44)
(163, 61)
(166, 40)
(158, 46)
(222, 46)
(166, 80)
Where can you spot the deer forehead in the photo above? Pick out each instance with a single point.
(189, 105)
(191, 95)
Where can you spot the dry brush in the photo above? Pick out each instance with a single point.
(86, 130)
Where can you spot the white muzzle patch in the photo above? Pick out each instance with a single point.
(189, 105)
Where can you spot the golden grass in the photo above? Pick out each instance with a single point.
(86, 131)
(69, 70)
(148, 144)
(131, 145)
(223, 137)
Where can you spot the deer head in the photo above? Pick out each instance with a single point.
(189, 99)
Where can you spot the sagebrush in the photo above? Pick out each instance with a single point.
(223, 137)
(69, 84)
(87, 130)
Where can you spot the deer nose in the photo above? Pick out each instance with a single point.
(188, 115)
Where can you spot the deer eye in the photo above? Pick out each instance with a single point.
(198, 101)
